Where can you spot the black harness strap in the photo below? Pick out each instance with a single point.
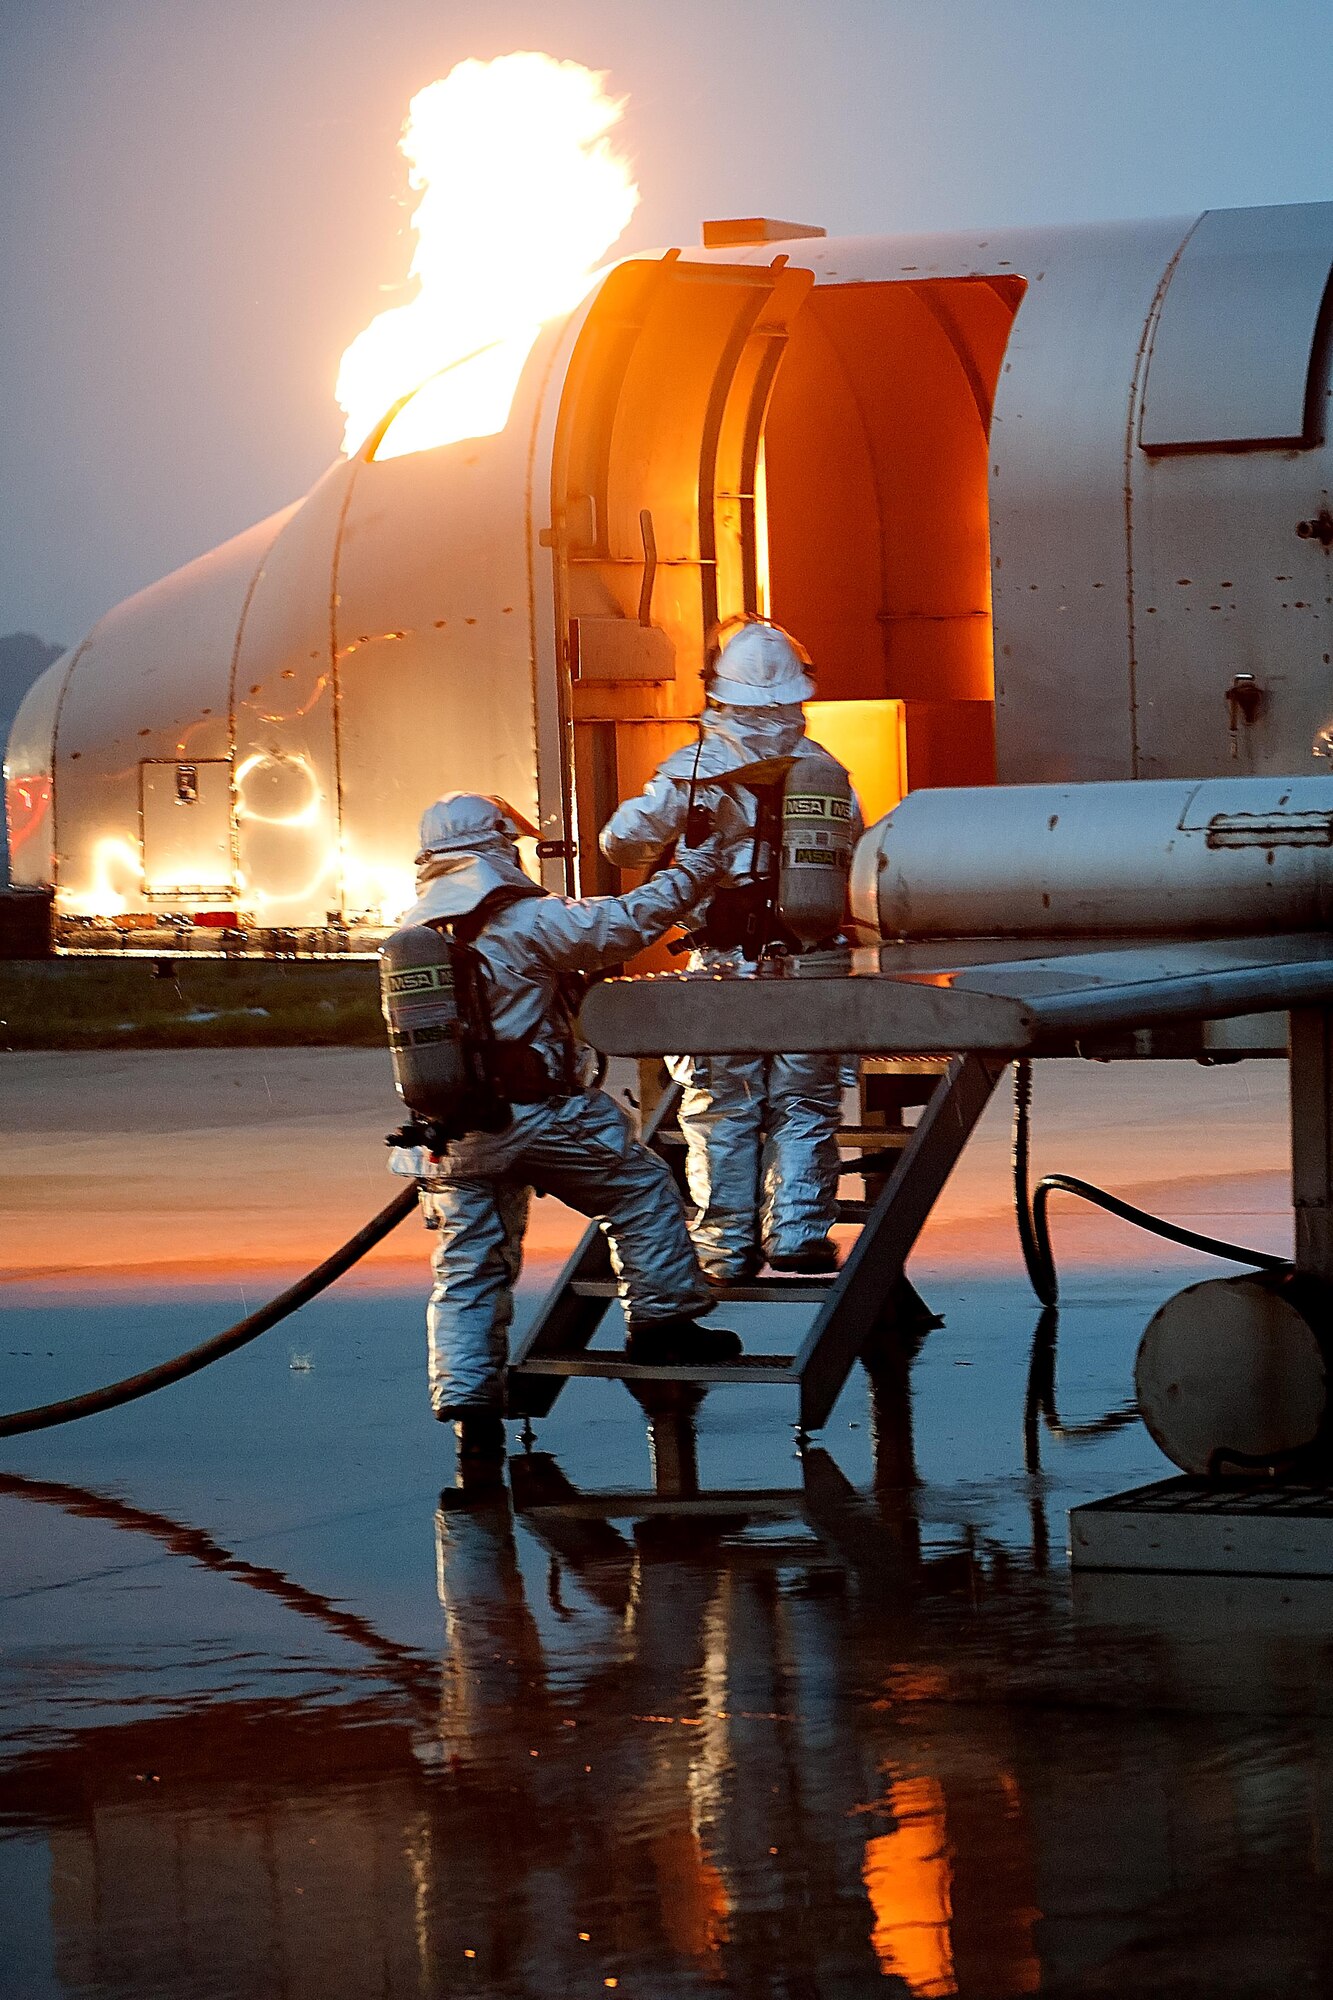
(516, 1064)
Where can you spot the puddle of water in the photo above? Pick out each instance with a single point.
(281, 1715)
(284, 1709)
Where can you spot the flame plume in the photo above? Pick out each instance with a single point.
(522, 195)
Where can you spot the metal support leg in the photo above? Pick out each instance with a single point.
(889, 1366)
(874, 1267)
(670, 1408)
(1312, 1139)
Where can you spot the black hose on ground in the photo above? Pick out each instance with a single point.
(1034, 1233)
(245, 1330)
(414, 1672)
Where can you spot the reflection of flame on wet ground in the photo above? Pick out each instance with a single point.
(909, 1879)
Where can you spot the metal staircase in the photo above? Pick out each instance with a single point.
(904, 1167)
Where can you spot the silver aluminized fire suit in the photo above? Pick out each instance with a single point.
(579, 1146)
(762, 1160)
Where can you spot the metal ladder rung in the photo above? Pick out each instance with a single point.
(765, 1291)
(614, 1366)
(890, 1138)
(727, 1501)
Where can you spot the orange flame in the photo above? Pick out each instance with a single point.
(522, 195)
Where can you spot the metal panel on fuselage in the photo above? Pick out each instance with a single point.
(29, 800)
(1061, 586)
(1230, 355)
(186, 819)
(1224, 585)
(1231, 573)
(149, 683)
(283, 719)
(433, 627)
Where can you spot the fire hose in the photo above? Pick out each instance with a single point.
(245, 1330)
(1031, 1205)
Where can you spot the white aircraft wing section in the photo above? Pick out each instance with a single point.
(978, 994)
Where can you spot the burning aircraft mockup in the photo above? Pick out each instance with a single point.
(1043, 504)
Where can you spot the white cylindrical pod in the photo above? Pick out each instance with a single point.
(1146, 857)
(817, 813)
(1233, 1375)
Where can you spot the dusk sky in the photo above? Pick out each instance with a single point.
(203, 203)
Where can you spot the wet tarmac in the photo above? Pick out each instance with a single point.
(285, 1709)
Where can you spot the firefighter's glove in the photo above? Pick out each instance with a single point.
(707, 864)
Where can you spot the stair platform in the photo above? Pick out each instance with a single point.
(1204, 1527)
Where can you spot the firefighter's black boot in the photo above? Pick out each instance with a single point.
(668, 1343)
(481, 1437)
(812, 1260)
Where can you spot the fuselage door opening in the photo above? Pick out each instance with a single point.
(736, 438)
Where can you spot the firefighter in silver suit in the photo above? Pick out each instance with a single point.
(762, 1158)
(573, 1142)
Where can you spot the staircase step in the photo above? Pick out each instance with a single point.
(889, 1137)
(756, 1291)
(855, 1211)
(612, 1365)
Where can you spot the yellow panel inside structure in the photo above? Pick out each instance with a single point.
(870, 738)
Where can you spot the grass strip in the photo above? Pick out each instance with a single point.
(79, 1003)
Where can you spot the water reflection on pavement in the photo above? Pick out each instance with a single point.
(670, 1709)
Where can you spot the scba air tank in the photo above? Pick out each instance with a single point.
(1136, 857)
(438, 1024)
(816, 849)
